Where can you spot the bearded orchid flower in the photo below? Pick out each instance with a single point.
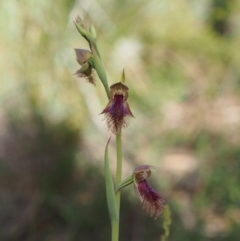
(117, 111)
(151, 201)
(84, 59)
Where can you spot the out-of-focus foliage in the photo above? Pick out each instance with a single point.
(181, 60)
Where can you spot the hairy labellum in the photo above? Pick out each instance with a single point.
(151, 201)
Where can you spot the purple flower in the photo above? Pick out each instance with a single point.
(151, 201)
(117, 111)
(83, 58)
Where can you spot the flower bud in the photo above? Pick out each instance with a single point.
(80, 26)
(93, 31)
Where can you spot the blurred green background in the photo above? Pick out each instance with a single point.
(181, 60)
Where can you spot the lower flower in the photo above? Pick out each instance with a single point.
(151, 201)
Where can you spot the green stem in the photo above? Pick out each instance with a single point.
(118, 177)
(166, 223)
(115, 231)
(119, 165)
(98, 65)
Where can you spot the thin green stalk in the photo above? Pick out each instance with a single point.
(166, 223)
(119, 165)
(118, 176)
(115, 231)
(98, 65)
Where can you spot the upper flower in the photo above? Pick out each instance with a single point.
(151, 200)
(84, 59)
(117, 110)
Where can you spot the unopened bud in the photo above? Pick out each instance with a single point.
(93, 31)
(80, 27)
